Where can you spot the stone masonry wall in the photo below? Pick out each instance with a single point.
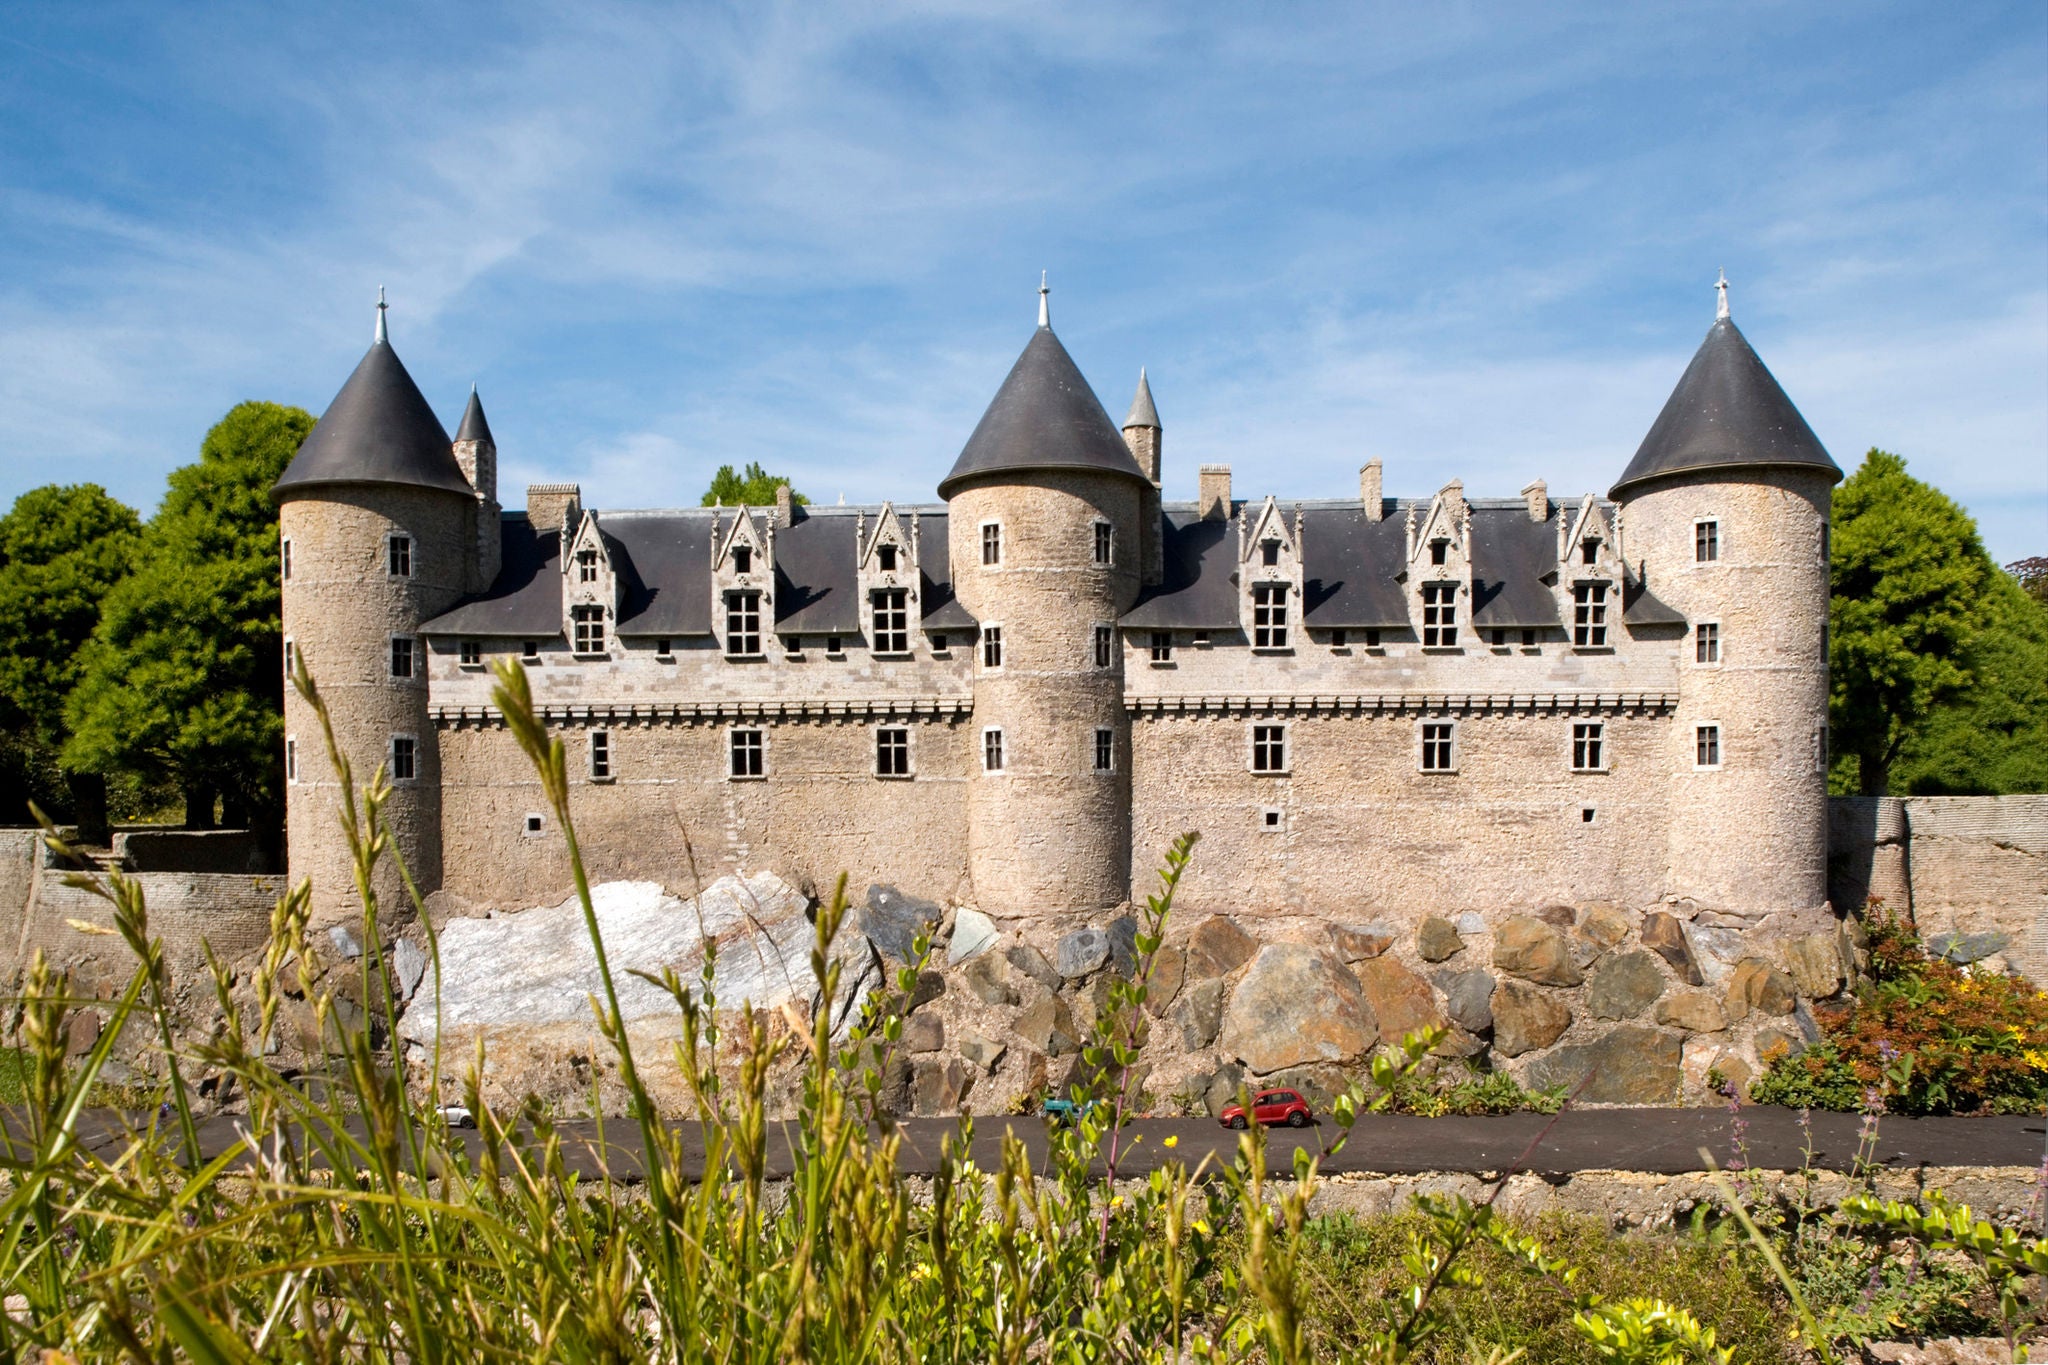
(1972, 871)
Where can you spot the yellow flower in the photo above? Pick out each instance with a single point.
(1116, 1201)
(1171, 1140)
(1202, 1226)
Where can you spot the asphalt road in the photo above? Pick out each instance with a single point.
(1654, 1141)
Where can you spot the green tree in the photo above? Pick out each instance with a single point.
(1994, 739)
(183, 678)
(755, 487)
(2032, 575)
(62, 548)
(1910, 592)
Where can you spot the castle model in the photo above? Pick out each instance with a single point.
(1014, 697)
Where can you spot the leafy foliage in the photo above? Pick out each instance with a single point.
(1920, 622)
(751, 487)
(181, 679)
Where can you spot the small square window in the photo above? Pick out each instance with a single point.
(1372, 638)
(284, 555)
(1439, 746)
(535, 823)
(991, 543)
(1162, 646)
(938, 642)
(742, 559)
(472, 653)
(1439, 551)
(405, 763)
(991, 646)
(1706, 643)
(401, 656)
(1589, 740)
(291, 759)
(1269, 819)
(1528, 639)
(1706, 541)
(992, 756)
(1105, 751)
(1104, 542)
(1586, 815)
(748, 754)
(885, 559)
(600, 756)
(1269, 553)
(892, 751)
(1589, 552)
(1269, 748)
(1105, 646)
(1200, 639)
(834, 646)
(529, 651)
(398, 556)
(1338, 639)
(1500, 638)
(1706, 752)
(664, 649)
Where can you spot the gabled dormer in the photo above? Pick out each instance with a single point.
(742, 582)
(1438, 572)
(1590, 573)
(1269, 576)
(590, 589)
(887, 574)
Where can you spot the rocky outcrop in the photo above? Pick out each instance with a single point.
(1297, 1005)
(1631, 1065)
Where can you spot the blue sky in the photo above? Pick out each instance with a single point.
(1477, 241)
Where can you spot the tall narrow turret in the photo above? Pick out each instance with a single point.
(1726, 503)
(1046, 504)
(379, 525)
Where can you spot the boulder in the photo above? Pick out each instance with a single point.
(923, 1033)
(1816, 964)
(939, 1086)
(1123, 943)
(1222, 1089)
(1697, 1011)
(1526, 1018)
(987, 981)
(1604, 925)
(980, 1052)
(1218, 947)
(1032, 963)
(1756, 985)
(1400, 1000)
(1664, 934)
(1631, 1065)
(1625, 986)
(1436, 938)
(408, 965)
(1966, 948)
(892, 920)
(1048, 1025)
(1296, 1005)
(1081, 952)
(1356, 942)
(930, 986)
(973, 933)
(1200, 1014)
(343, 941)
(1468, 999)
(1716, 949)
(1169, 970)
(1534, 950)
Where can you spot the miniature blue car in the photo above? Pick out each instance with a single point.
(1066, 1111)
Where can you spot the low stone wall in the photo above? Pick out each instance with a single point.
(191, 850)
(1972, 871)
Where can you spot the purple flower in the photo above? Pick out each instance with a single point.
(1886, 1052)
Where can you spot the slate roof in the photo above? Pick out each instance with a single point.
(1043, 417)
(474, 427)
(1726, 413)
(663, 560)
(378, 430)
(1143, 412)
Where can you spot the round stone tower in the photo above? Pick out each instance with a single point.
(1725, 506)
(379, 529)
(1045, 541)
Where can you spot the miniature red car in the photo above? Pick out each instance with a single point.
(1270, 1107)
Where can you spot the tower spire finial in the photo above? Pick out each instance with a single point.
(1721, 288)
(1044, 308)
(382, 337)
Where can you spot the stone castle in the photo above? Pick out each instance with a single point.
(1013, 697)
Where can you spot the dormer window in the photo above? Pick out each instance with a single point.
(1439, 551)
(1589, 615)
(742, 559)
(587, 623)
(1269, 553)
(1439, 614)
(586, 566)
(1589, 552)
(885, 559)
(892, 620)
(1269, 614)
(742, 624)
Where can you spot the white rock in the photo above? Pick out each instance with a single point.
(973, 932)
(537, 967)
(408, 965)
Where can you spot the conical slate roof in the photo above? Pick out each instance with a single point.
(1044, 417)
(378, 429)
(1726, 413)
(1142, 413)
(474, 426)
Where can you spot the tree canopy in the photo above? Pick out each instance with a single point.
(753, 487)
(182, 679)
(1937, 657)
(62, 548)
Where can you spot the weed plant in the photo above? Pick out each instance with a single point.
(352, 1224)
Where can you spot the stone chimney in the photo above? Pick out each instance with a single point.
(785, 505)
(1212, 492)
(553, 506)
(1537, 495)
(1369, 490)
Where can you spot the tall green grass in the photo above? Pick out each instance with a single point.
(353, 1225)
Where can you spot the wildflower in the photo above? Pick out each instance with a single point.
(1201, 1225)
(1170, 1140)
(1116, 1201)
